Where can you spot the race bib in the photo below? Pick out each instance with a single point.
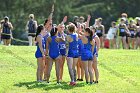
(122, 30)
(132, 32)
(62, 46)
(98, 31)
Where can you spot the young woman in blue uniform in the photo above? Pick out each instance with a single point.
(48, 27)
(53, 52)
(95, 54)
(62, 47)
(40, 53)
(87, 54)
(73, 54)
(80, 69)
(80, 29)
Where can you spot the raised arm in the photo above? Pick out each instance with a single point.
(64, 20)
(51, 14)
(88, 20)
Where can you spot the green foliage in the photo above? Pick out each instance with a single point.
(119, 73)
(109, 10)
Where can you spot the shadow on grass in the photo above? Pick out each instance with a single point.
(46, 86)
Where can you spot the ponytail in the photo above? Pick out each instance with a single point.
(39, 29)
(90, 33)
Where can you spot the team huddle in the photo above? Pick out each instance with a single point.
(78, 43)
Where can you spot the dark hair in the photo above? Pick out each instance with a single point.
(113, 22)
(75, 18)
(6, 18)
(53, 31)
(45, 21)
(100, 19)
(39, 28)
(90, 33)
(124, 15)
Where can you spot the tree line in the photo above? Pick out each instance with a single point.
(110, 10)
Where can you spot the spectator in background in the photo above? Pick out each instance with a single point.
(0, 30)
(31, 27)
(138, 34)
(76, 20)
(123, 30)
(124, 16)
(112, 35)
(6, 29)
(100, 31)
(132, 29)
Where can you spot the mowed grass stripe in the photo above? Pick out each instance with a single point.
(21, 79)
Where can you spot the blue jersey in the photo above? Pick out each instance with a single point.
(73, 46)
(38, 53)
(87, 52)
(45, 38)
(54, 51)
(80, 46)
(62, 45)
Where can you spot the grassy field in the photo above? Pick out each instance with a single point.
(119, 73)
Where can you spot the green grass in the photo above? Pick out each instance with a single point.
(119, 73)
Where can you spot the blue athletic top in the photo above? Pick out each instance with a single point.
(87, 52)
(73, 46)
(88, 46)
(62, 45)
(54, 51)
(80, 46)
(38, 51)
(45, 37)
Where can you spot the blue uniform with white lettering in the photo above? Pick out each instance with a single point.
(73, 46)
(54, 50)
(62, 45)
(87, 52)
(38, 53)
(80, 46)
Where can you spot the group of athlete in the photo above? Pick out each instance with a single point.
(125, 33)
(77, 43)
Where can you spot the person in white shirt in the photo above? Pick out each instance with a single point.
(111, 35)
